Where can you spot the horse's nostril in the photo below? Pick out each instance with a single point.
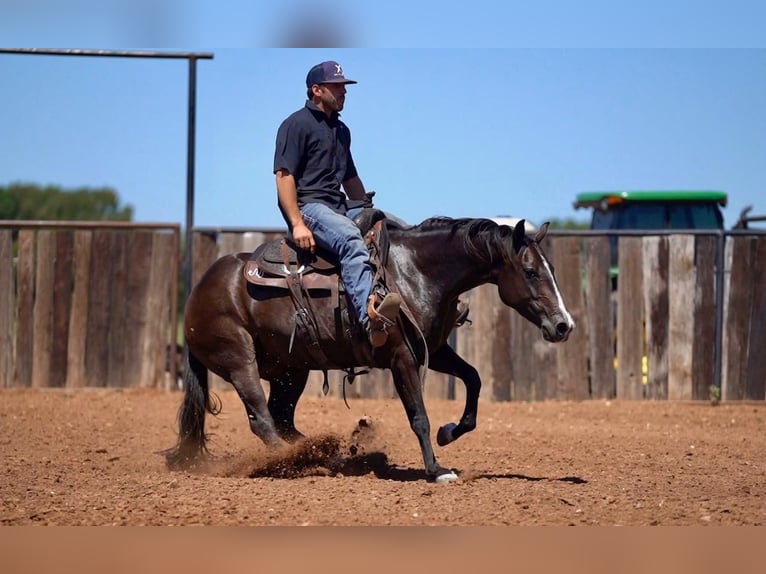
(562, 328)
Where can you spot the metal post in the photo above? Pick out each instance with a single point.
(719, 302)
(191, 132)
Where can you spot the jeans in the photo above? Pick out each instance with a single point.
(338, 234)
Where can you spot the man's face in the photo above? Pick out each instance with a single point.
(332, 97)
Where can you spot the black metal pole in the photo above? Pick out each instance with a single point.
(108, 53)
(191, 134)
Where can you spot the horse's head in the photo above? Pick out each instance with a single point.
(527, 283)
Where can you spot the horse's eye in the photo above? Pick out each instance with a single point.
(531, 274)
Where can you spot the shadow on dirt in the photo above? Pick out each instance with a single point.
(329, 455)
(570, 479)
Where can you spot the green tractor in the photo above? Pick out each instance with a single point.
(651, 210)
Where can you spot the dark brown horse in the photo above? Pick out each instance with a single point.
(245, 333)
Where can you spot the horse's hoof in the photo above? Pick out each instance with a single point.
(444, 436)
(447, 477)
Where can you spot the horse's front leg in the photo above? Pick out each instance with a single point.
(407, 381)
(446, 360)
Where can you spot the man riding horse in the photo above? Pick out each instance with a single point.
(312, 160)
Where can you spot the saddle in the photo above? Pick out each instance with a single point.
(280, 264)
(272, 263)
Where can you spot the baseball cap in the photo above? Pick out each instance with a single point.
(328, 72)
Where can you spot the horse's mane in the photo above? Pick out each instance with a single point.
(482, 238)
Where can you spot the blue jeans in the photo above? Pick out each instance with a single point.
(338, 234)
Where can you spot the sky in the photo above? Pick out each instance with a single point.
(461, 132)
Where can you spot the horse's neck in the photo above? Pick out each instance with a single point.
(442, 267)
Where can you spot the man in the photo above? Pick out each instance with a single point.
(312, 161)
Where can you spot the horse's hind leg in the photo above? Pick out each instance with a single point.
(247, 382)
(284, 393)
(446, 360)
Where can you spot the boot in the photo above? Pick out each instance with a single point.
(382, 317)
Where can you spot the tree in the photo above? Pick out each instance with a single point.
(569, 224)
(25, 201)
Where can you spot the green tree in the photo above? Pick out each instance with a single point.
(52, 203)
(569, 224)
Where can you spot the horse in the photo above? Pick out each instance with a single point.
(244, 333)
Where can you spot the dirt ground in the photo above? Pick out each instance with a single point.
(92, 457)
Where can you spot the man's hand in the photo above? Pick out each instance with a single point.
(303, 237)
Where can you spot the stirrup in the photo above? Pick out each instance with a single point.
(462, 314)
(382, 317)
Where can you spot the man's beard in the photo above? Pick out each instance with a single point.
(334, 104)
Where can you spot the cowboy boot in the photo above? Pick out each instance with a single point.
(382, 317)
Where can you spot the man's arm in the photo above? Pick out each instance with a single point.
(287, 196)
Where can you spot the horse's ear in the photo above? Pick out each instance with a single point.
(540, 235)
(519, 233)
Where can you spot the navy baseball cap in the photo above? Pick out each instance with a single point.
(327, 73)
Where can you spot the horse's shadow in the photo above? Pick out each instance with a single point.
(569, 479)
(377, 463)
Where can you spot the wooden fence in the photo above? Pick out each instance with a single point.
(655, 337)
(87, 304)
(96, 305)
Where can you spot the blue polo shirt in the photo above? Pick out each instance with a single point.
(316, 151)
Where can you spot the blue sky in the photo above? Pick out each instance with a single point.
(456, 132)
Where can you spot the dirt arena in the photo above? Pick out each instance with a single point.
(92, 457)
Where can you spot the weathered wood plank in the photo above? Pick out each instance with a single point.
(599, 318)
(43, 308)
(25, 312)
(7, 308)
(534, 362)
(138, 262)
(158, 300)
(118, 293)
(168, 335)
(755, 381)
(491, 323)
(630, 314)
(99, 300)
(703, 358)
(572, 379)
(655, 279)
(681, 316)
(523, 379)
(62, 306)
(78, 320)
(499, 346)
(230, 243)
(251, 240)
(205, 251)
(378, 384)
(737, 323)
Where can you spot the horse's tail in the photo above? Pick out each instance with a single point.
(192, 439)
